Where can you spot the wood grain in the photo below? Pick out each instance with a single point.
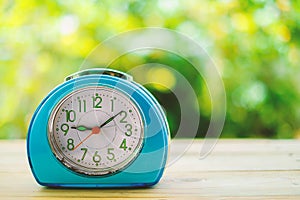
(235, 169)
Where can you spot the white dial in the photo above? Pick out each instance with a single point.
(96, 131)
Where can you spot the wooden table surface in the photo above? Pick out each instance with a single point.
(235, 169)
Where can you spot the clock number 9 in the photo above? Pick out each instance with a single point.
(65, 128)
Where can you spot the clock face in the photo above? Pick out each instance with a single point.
(96, 131)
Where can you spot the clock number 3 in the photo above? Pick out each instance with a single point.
(129, 130)
(96, 158)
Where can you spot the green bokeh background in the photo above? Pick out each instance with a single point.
(254, 44)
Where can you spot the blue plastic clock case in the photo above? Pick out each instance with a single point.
(145, 170)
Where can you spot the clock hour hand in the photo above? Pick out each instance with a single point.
(109, 120)
(81, 128)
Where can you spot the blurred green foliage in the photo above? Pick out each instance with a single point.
(255, 45)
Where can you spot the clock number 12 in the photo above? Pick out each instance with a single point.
(97, 101)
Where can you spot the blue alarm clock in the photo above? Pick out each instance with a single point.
(98, 129)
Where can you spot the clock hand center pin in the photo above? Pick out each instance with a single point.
(95, 130)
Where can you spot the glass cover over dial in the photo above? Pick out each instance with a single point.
(96, 131)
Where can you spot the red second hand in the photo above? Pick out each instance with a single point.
(95, 130)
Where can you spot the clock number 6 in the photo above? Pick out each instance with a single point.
(65, 128)
(96, 158)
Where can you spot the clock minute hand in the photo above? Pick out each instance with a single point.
(109, 120)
